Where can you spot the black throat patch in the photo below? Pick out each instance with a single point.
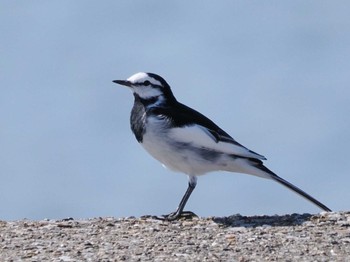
(147, 102)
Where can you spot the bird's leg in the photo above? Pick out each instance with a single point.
(179, 211)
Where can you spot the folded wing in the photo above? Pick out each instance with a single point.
(190, 126)
(200, 136)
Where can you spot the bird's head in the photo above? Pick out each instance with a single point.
(148, 86)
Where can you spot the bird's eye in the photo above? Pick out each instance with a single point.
(146, 83)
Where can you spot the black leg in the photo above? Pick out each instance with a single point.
(179, 211)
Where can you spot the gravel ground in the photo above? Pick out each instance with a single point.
(322, 237)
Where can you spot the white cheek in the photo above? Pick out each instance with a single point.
(146, 92)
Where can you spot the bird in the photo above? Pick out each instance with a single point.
(186, 141)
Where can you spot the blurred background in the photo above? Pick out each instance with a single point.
(273, 74)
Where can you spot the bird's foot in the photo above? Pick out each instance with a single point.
(176, 216)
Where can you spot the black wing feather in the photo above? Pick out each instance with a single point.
(182, 115)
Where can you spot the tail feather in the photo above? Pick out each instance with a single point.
(292, 187)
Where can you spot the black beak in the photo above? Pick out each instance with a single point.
(122, 82)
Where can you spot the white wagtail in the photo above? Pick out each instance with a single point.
(184, 140)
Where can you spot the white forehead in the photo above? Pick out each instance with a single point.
(142, 77)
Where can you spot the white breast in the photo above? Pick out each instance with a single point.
(174, 154)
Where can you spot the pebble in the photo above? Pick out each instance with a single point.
(295, 237)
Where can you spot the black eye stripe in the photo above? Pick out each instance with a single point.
(147, 83)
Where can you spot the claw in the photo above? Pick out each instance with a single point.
(175, 216)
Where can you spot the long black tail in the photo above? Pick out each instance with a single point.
(293, 188)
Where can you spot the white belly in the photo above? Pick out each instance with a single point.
(183, 156)
(176, 159)
(172, 154)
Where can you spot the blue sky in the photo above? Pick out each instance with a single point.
(273, 74)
